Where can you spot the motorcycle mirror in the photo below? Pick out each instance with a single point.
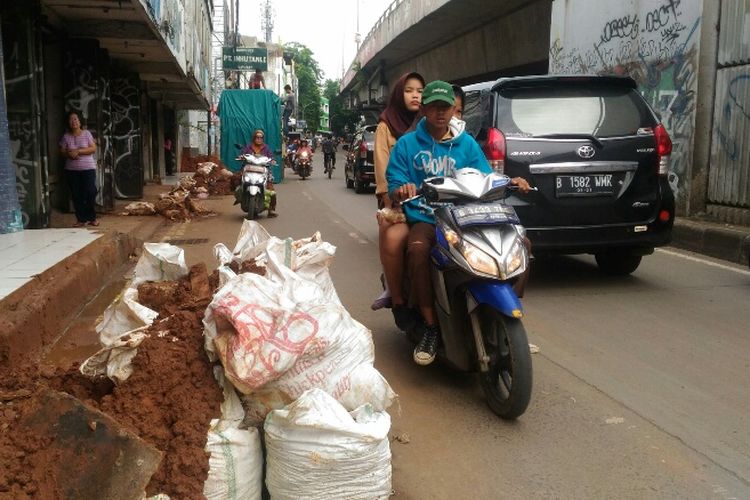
(238, 146)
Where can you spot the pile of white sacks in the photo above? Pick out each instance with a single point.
(294, 365)
(304, 370)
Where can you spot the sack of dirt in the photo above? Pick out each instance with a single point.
(278, 339)
(318, 450)
(139, 208)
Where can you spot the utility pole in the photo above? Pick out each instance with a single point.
(266, 16)
(357, 37)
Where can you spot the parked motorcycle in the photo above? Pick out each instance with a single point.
(480, 250)
(251, 193)
(303, 165)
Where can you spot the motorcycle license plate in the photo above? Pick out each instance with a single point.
(584, 185)
(473, 215)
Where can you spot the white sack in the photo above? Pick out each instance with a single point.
(115, 360)
(123, 315)
(276, 340)
(235, 465)
(251, 234)
(316, 450)
(160, 262)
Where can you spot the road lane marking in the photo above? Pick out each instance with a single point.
(355, 236)
(704, 261)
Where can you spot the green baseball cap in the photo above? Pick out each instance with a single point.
(438, 90)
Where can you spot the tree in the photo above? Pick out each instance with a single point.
(339, 116)
(309, 76)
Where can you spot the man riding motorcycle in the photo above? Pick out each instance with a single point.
(434, 149)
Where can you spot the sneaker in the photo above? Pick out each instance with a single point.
(384, 300)
(424, 353)
(272, 214)
(405, 318)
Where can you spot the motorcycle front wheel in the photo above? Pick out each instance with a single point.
(251, 207)
(507, 383)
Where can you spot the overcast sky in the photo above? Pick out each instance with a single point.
(326, 27)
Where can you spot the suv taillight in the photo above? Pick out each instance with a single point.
(663, 148)
(494, 150)
(363, 149)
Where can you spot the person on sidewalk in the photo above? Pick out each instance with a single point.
(78, 147)
(437, 148)
(258, 147)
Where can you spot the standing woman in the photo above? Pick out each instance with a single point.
(395, 120)
(78, 148)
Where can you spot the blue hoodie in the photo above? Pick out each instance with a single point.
(417, 156)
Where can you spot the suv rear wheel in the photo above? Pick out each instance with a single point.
(618, 262)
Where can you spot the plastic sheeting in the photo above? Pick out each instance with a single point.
(241, 113)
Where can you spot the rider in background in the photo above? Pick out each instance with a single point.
(329, 151)
(434, 149)
(258, 147)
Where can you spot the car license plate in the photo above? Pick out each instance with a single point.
(471, 215)
(585, 185)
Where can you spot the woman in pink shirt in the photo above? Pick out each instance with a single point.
(78, 148)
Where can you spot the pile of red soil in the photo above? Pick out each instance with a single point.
(168, 401)
(190, 163)
(216, 179)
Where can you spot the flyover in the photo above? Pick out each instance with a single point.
(461, 41)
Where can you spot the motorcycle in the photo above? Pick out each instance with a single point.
(479, 251)
(303, 165)
(251, 193)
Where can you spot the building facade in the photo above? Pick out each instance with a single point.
(127, 66)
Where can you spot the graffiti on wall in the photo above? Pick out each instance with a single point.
(733, 109)
(23, 98)
(126, 137)
(656, 43)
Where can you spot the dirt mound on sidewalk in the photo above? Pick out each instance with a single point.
(169, 400)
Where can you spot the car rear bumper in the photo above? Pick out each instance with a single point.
(573, 240)
(365, 173)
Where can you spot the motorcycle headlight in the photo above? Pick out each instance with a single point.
(514, 260)
(303, 155)
(477, 259)
(247, 176)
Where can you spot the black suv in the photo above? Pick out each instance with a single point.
(597, 153)
(359, 170)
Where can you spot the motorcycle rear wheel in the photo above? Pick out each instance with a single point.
(507, 384)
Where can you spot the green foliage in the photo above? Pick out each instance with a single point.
(339, 116)
(308, 76)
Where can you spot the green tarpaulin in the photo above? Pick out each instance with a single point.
(243, 111)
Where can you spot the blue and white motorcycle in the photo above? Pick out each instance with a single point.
(480, 252)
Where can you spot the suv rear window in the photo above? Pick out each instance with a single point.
(595, 110)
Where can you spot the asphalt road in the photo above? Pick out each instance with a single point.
(642, 385)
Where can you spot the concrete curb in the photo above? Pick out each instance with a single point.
(34, 316)
(723, 241)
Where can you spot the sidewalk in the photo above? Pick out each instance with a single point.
(48, 275)
(722, 241)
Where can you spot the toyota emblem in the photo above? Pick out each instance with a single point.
(586, 151)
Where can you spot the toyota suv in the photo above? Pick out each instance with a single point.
(597, 154)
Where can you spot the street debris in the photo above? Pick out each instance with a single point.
(615, 420)
(193, 365)
(403, 438)
(533, 348)
(181, 203)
